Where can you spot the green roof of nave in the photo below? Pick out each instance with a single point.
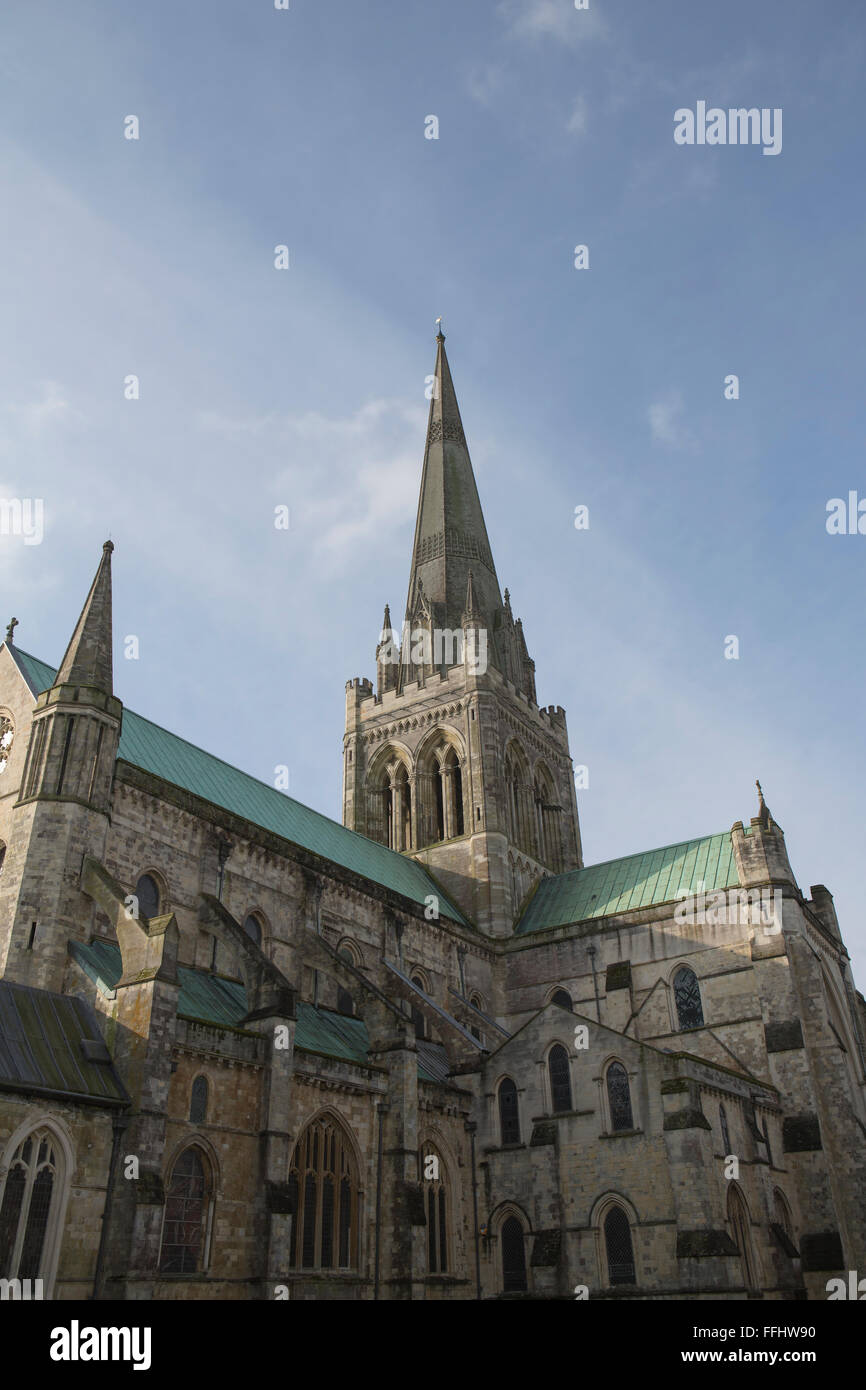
(639, 880)
(165, 755)
(208, 998)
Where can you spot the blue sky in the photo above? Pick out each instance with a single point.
(601, 387)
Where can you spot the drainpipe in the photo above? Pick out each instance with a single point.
(470, 1128)
(119, 1123)
(381, 1108)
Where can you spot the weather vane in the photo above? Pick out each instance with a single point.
(439, 325)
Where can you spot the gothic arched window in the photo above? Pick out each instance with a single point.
(417, 1015)
(345, 1002)
(389, 804)
(513, 1256)
(723, 1125)
(323, 1188)
(2, 855)
(618, 1247)
(477, 1003)
(687, 997)
(619, 1097)
(253, 928)
(740, 1223)
(509, 1117)
(198, 1101)
(186, 1224)
(435, 1190)
(560, 1078)
(561, 999)
(29, 1206)
(147, 892)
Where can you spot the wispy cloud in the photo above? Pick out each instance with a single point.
(666, 422)
(550, 19)
(484, 83)
(576, 124)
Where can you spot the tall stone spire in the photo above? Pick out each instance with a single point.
(88, 657)
(450, 534)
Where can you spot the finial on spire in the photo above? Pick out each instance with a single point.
(440, 336)
(10, 630)
(470, 610)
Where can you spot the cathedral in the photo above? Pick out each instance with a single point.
(247, 1052)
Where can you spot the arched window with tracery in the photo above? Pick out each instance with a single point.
(513, 1256)
(517, 796)
(188, 1212)
(741, 1230)
(618, 1247)
(434, 1186)
(147, 892)
(560, 1078)
(30, 1202)
(687, 998)
(324, 1197)
(198, 1101)
(619, 1098)
(509, 1116)
(547, 818)
(390, 802)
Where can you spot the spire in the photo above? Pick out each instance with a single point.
(88, 656)
(450, 534)
(763, 810)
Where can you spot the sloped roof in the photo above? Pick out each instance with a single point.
(208, 998)
(41, 1046)
(639, 880)
(152, 749)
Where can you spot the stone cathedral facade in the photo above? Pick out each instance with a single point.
(249, 1053)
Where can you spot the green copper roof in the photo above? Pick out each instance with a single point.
(639, 880)
(211, 999)
(51, 1042)
(165, 755)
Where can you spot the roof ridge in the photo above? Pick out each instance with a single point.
(638, 854)
(283, 797)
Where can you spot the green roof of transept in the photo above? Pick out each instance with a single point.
(639, 880)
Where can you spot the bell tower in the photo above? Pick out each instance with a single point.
(450, 759)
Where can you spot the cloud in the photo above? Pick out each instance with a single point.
(550, 19)
(577, 120)
(666, 425)
(485, 83)
(371, 462)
